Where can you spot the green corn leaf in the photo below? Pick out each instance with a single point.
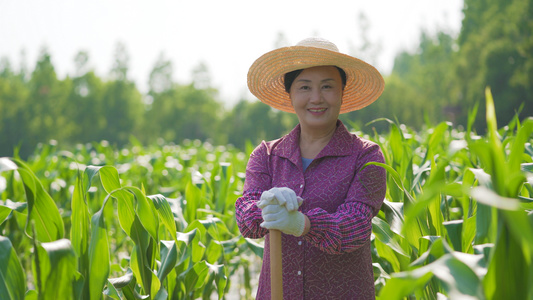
(214, 252)
(222, 185)
(431, 248)
(508, 264)
(142, 258)
(497, 166)
(468, 234)
(98, 254)
(187, 237)
(136, 268)
(396, 143)
(255, 247)
(414, 212)
(517, 150)
(186, 241)
(165, 213)
(383, 233)
(466, 203)
(395, 176)
(89, 173)
(394, 215)
(31, 295)
(454, 231)
(155, 284)
(80, 230)
(378, 269)
(111, 183)
(185, 250)
(436, 137)
(8, 206)
(482, 177)
(80, 220)
(61, 261)
(7, 165)
(386, 253)
(122, 281)
(12, 277)
(218, 272)
(146, 211)
(42, 210)
(192, 198)
(402, 285)
(422, 170)
(162, 294)
(198, 248)
(527, 167)
(471, 119)
(485, 223)
(489, 197)
(215, 228)
(195, 277)
(150, 284)
(111, 292)
(169, 259)
(460, 280)
(521, 227)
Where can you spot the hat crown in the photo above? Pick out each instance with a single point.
(318, 43)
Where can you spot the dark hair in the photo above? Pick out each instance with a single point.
(288, 78)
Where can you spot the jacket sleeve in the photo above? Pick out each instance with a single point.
(257, 180)
(350, 226)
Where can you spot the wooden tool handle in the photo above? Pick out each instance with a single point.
(276, 273)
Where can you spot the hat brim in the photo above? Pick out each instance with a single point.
(364, 83)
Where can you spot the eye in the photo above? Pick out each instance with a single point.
(327, 86)
(305, 87)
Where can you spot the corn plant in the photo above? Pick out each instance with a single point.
(125, 246)
(457, 221)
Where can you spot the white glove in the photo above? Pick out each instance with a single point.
(280, 218)
(284, 196)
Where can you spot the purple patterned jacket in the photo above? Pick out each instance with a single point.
(333, 260)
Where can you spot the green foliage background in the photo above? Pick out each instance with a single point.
(439, 81)
(158, 222)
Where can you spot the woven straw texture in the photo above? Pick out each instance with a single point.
(265, 77)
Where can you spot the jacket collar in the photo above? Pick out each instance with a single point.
(340, 144)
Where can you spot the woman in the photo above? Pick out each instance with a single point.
(311, 184)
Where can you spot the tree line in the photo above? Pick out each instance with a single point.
(442, 80)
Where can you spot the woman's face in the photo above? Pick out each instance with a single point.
(316, 95)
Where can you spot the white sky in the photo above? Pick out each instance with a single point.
(227, 35)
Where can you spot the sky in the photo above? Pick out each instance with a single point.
(227, 36)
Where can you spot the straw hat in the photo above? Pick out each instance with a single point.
(364, 83)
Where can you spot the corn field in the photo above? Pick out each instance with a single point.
(158, 222)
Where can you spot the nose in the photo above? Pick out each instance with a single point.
(315, 96)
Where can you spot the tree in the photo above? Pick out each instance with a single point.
(417, 88)
(161, 76)
(45, 112)
(13, 121)
(255, 121)
(85, 102)
(123, 107)
(496, 50)
(365, 49)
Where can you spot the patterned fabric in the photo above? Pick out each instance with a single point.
(333, 260)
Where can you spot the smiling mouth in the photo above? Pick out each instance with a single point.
(317, 110)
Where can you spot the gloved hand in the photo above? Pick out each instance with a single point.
(279, 217)
(284, 196)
